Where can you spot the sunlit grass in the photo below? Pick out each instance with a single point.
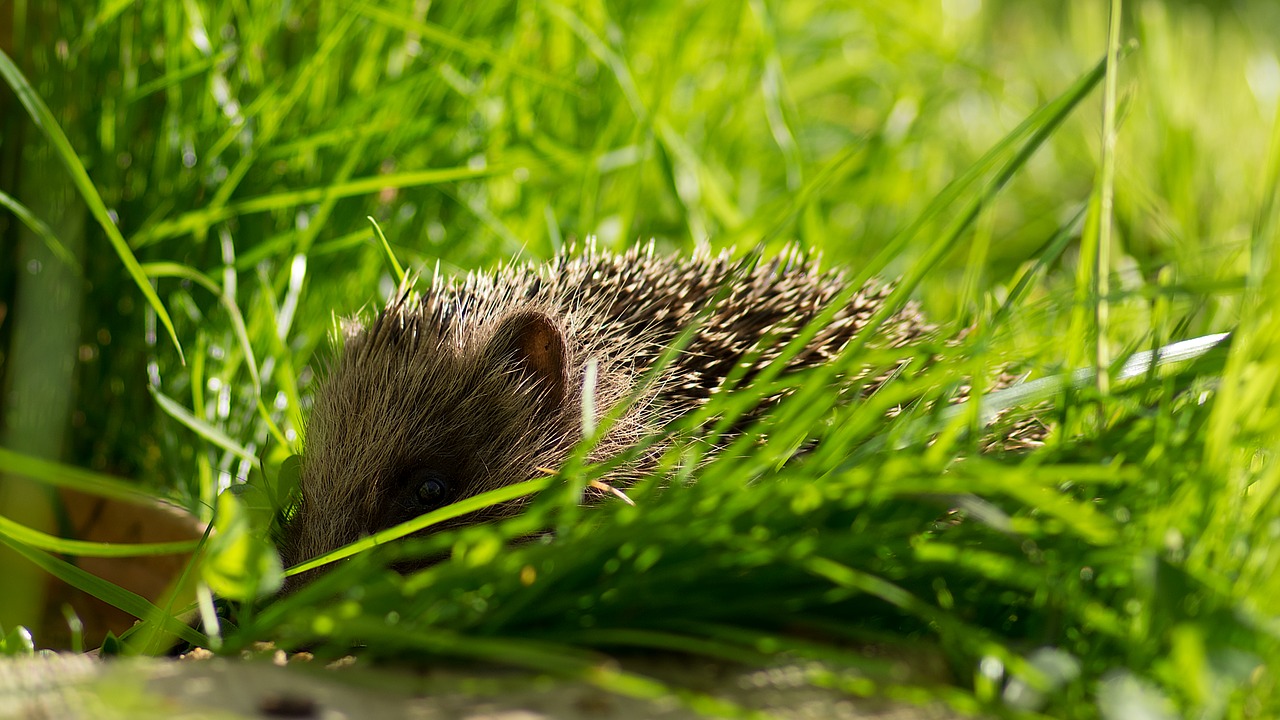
(233, 155)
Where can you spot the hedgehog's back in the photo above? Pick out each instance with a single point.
(480, 383)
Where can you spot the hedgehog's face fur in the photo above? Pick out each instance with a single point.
(413, 417)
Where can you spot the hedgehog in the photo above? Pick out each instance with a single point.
(470, 385)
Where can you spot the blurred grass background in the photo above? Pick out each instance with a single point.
(242, 138)
(241, 147)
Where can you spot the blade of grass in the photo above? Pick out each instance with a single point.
(1136, 365)
(668, 642)
(604, 52)
(48, 125)
(279, 330)
(59, 475)
(776, 100)
(1053, 250)
(198, 220)
(42, 231)
(270, 123)
(173, 78)
(435, 517)
(1106, 204)
(175, 270)
(1052, 112)
(466, 47)
(558, 659)
(152, 628)
(396, 269)
(200, 427)
(1043, 123)
(81, 548)
(112, 594)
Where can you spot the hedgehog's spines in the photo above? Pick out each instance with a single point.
(442, 382)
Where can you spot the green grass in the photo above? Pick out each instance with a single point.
(213, 167)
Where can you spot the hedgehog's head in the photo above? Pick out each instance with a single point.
(420, 412)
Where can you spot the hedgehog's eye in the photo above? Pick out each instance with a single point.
(433, 491)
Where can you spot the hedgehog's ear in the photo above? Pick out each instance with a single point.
(533, 342)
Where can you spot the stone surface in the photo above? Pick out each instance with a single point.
(76, 686)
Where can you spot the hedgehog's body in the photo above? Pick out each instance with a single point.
(479, 384)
